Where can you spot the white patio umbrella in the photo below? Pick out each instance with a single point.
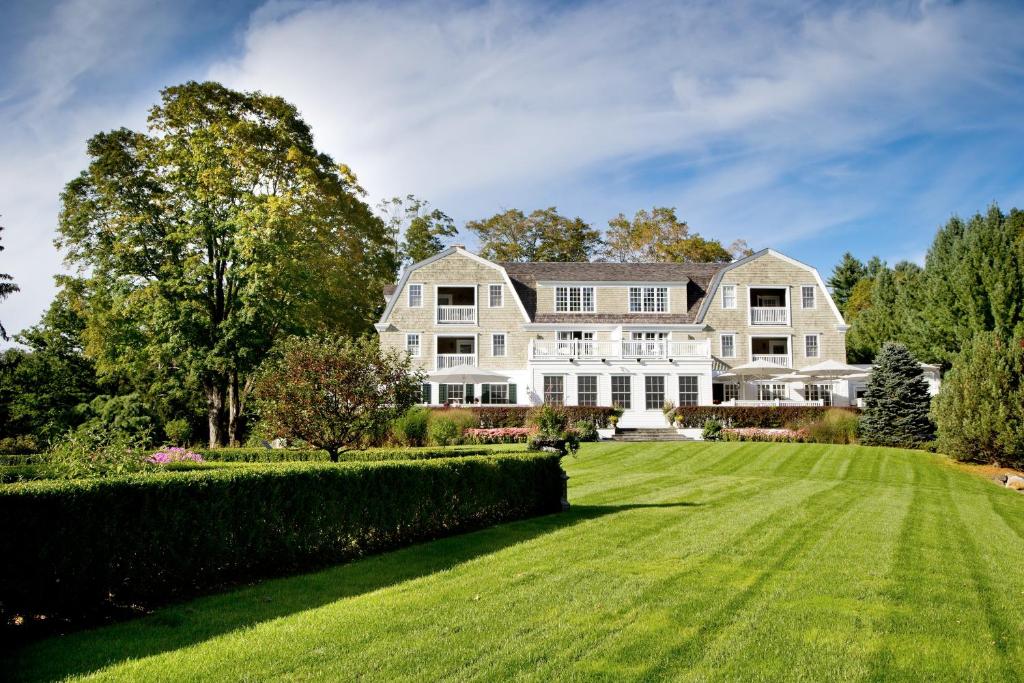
(467, 374)
(758, 369)
(831, 371)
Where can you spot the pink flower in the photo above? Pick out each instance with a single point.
(174, 454)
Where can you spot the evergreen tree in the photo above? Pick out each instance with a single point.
(888, 313)
(897, 402)
(979, 411)
(845, 276)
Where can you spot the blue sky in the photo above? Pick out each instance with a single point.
(814, 129)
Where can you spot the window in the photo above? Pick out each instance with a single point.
(730, 392)
(688, 390)
(497, 296)
(818, 392)
(811, 345)
(412, 344)
(654, 390)
(648, 299)
(494, 393)
(728, 342)
(452, 393)
(554, 390)
(415, 296)
(574, 299)
(498, 344)
(771, 392)
(575, 343)
(425, 393)
(728, 296)
(622, 391)
(586, 390)
(807, 296)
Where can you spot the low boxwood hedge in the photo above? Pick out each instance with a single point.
(369, 455)
(70, 547)
(765, 417)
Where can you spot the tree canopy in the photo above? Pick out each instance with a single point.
(544, 235)
(7, 287)
(219, 230)
(423, 230)
(659, 236)
(845, 276)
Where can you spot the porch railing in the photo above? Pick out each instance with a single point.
(454, 360)
(635, 348)
(778, 403)
(769, 315)
(779, 359)
(456, 314)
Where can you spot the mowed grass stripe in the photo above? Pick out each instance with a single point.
(679, 561)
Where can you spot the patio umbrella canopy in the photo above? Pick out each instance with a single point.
(467, 374)
(757, 369)
(831, 371)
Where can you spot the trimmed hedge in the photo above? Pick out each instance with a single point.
(768, 417)
(72, 547)
(516, 416)
(266, 455)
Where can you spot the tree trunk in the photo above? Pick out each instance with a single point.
(234, 409)
(215, 411)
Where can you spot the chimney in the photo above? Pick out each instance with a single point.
(459, 246)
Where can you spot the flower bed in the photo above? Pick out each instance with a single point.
(499, 434)
(173, 454)
(765, 434)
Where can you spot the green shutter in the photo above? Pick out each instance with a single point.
(426, 393)
(469, 393)
(442, 393)
(485, 393)
(512, 393)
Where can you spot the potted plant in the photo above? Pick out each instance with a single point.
(608, 431)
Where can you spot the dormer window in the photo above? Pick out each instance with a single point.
(573, 299)
(648, 299)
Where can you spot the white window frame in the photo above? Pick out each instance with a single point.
(419, 344)
(820, 391)
(501, 296)
(817, 345)
(461, 390)
(419, 288)
(544, 389)
(659, 299)
(629, 391)
(730, 388)
(596, 392)
(730, 288)
(647, 392)
(504, 344)
(774, 391)
(814, 297)
(567, 299)
(721, 344)
(695, 393)
(490, 391)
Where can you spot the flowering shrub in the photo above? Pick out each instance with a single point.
(498, 435)
(173, 454)
(762, 434)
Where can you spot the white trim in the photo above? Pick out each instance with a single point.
(504, 334)
(787, 337)
(721, 350)
(788, 305)
(593, 299)
(476, 303)
(613, 283)
(656, 286)
(735, 298)
(712, 290)
(407, 273)
(500, 291)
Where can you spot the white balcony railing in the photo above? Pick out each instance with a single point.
(456, 314)
(454, 360)
(780, 359)
(778, 402)
(622, 349)
(769, 315)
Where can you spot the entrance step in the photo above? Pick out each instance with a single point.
(649, 434)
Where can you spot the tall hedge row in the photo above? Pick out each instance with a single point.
(764, 417)
(70, 547)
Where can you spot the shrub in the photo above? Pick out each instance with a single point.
(897, 402)
(518, 416)
(23, 444)
(836, 426)
(980, 409)
(177, 431)
(765, 417)
(443, 431)
(429, 453)
(498, 435)
(73, 546)
(411, 428)
(767, 435)
(585, 430)
(250, 454)
(547, 420)
(276, 455)
(93, 451)
(712, 430)
(174, 454)
(564, 443)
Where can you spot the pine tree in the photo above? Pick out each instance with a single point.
(897, 401)
(845, 276)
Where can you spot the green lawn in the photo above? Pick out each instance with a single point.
(678, 561)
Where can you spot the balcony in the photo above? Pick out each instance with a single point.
(779, 359)
(617, 350)
(454, 360)
(456, 315)
(769, 315)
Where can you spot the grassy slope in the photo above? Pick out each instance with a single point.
(678, 561)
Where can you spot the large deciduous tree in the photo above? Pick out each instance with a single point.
(335, 392)
(544, 235)
(7, 287)
(422, 230)
(211, 235)
(659, 236)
